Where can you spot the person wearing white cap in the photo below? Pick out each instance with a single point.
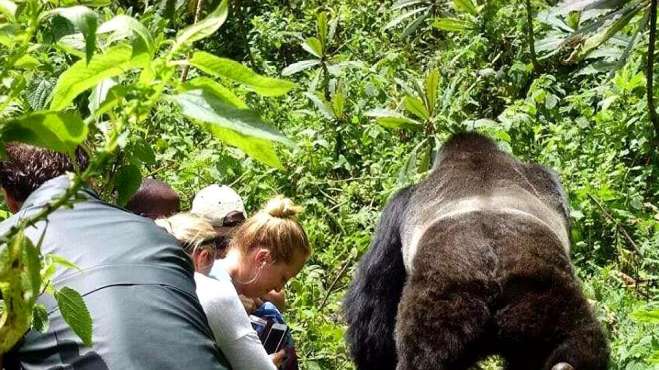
(223, 208)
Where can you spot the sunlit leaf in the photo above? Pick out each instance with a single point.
(238, 127)
(453, 24)
(391, 119)
(227, 68)
(125, 26)
(39, 318)
(321, 104)
(203, 28)
(8, 9)
(84, 20)
(313, 46)
(416, 107)
(58, 131)
(82, 76)
(220, 91)
(299, 66)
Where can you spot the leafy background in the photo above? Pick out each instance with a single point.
(379, 85)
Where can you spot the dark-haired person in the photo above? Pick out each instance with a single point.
(154, 199)
(136, 281)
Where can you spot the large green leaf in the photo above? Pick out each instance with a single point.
(453, 24)
(75, 313)
(601, 37)
(100, 93)
(32, 262)
(125, 26)
(84, 20)
(127, 182)
(431, 84)
(238, 127)
(82, 76)
(227, 68)
(323, 106)
(58, 131)
(321, 29)
(217, 89)
(40, 318)
(203, 28)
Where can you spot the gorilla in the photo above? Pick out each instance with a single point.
(470, 262)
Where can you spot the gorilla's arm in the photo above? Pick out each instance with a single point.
(371, 303)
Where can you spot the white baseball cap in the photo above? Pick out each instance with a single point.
(215, 202)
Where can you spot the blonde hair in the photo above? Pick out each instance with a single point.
(192, 232)
(274, 227)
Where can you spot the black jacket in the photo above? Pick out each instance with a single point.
(136, 281)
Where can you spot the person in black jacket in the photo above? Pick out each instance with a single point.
(136, 281)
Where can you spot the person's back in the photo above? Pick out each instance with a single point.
(136, 282)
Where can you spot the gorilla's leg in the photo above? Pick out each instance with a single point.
(371, 303)
(547, 322)
(442, 327)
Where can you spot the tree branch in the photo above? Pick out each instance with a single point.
(531, 36)
(197, 14)
(649, 70)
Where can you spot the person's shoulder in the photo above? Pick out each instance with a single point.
(215, 291)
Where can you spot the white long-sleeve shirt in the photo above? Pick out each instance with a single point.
(230, 324)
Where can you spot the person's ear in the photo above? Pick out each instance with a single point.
(263, 257)
(13, 205)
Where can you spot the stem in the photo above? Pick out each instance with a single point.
(649, 69)
(530, 36)
(197, 13)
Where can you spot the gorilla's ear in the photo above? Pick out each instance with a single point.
(371, 303)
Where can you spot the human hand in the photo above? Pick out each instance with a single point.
(278, 357)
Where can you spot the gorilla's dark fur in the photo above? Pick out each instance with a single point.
(489, 280)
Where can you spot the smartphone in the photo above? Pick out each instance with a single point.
(275, 339)
(261, 326)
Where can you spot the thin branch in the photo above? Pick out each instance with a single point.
(649, 70)
(330, 289)
(197, 14)
(622, 230)
(531, 36)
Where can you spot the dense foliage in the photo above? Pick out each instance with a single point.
(378, 87)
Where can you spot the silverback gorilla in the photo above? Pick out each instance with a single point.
(473, 261)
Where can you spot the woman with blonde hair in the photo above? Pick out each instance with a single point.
(266, 251)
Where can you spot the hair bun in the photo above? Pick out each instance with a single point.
(281, 207)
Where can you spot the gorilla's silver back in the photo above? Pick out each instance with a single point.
(477, 177)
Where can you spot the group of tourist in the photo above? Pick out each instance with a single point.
(166, 289)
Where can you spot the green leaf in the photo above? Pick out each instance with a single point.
(61, 261)
(601, 37)
(338, 103)
(75, 313)
(396, 21)
(32, 263)
(40, 318)
(299, 66)
(238, 127)
(220, 91)
(313, 46)
(124, 26)
(127, 182)
(227, 68)
(8, 9)
(415, 106)
(431, 86)
(203, 28)
(81, 76)
(465, 6)
(100, 93)
(390, 119)
(58, 131)
(405, 3)
(453, 25)
(321, 29)
(646, 316)
(84, 20)
(38, 93)
(321, 104)
(8, 34)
